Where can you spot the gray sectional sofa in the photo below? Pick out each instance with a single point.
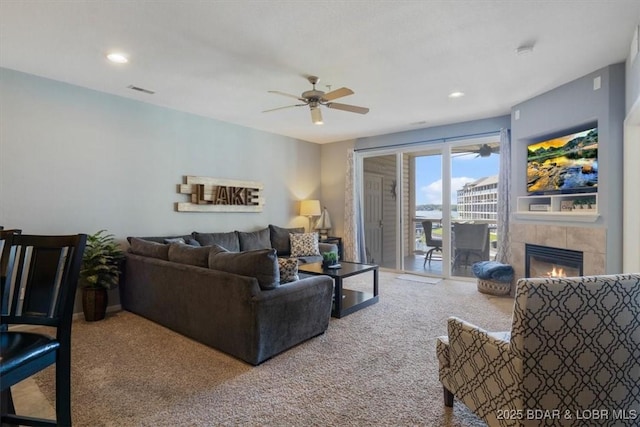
(225, 290)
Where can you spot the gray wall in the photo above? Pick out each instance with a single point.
(77, 160)
(633, 71)
(564, 108)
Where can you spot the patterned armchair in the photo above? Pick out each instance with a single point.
(572, 356)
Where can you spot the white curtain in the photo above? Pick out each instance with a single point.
(504, 197)
(354, 246)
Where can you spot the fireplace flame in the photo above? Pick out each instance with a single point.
(559, 272)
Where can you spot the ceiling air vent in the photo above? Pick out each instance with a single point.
(140, 89)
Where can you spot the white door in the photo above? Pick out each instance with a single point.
(373, 217)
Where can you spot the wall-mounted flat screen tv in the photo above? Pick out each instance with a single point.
(564, 164)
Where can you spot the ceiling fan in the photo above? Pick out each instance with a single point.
(315, 98)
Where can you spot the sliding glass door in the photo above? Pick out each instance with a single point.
(432, 209)
(474, 172)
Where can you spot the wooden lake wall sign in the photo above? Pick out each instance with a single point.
(220, 195)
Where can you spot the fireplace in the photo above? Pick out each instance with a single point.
(544, 261)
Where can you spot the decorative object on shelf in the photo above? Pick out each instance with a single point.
(310, 208)
(539, 207)
(323, 225)
(566, 205)
(100, 272)
(329, 259)
(220, 195)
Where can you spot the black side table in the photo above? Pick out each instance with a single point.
(346, 301)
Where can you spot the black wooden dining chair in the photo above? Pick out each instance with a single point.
(433, 242)
(39, 286)
(4, 261)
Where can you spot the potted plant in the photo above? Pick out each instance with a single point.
(329, 259)
(100, 272)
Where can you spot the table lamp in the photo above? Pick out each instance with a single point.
(310, 208)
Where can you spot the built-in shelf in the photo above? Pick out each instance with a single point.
(582, 207)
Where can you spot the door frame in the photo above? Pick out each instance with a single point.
(381, 177)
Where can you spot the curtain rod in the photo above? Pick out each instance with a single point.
(452, 138)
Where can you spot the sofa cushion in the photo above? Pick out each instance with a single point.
(288, 269)
(162, 239)
(304, 244)
(185, 254)
(148, 248)
(280, 238)
(254, 240)
(229, 240)
(261, 264)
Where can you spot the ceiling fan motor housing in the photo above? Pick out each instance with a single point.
(312, 95)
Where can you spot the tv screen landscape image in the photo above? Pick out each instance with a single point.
(566, 164)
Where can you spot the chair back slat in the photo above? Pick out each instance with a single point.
(6, 258)
(40, 280)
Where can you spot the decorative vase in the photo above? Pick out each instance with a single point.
(94, 303)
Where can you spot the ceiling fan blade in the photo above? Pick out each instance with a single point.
(338, 93)
(282, 108)
(347, 107)
(287, 94)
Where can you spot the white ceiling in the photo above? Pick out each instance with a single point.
(401, 58)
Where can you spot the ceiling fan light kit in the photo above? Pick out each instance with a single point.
(316, 115)
(315, 98)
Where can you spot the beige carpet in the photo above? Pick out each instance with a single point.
(418, 278)
(375, 367)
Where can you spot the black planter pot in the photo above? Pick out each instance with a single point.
(327, 264)
(94, 303)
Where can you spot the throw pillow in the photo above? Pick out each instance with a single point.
(149, 249)
(185, 254)
(261, 264)
(280, 238)
(288, 269)
(254, 240)
(192, 242)
(176, 240)
(304, 244)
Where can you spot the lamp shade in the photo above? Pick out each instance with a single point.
(310, 208)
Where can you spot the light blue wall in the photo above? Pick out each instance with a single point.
(77, 160)
(564, 108)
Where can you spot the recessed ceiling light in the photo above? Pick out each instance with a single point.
(456, 94)
(118, 58)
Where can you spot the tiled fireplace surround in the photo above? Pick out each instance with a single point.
(589, 240)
